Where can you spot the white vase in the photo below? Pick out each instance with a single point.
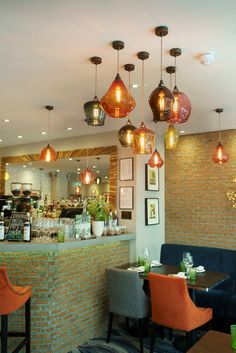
(97, 227)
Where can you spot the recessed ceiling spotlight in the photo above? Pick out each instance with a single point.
(7, 163)
(78, 169)
(43, 133)
(58, 170)
(182, 132)
(94, 166)
(69, 128)
(0, 140)
(19, 136)
(207, 59)
(24, 166)
(98, 171)
(70, 159)
(6, 120)
(78, 172)
(105, 177)
(135, 85)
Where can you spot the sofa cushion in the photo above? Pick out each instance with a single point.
(217, 299)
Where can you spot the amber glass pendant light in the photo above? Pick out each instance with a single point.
(181, 108)
(156, 161)
(125, 134)
(144, 138)
(171, 137)
(117, 102)
(48, 154)
(95, 115)
(219, 155)
(98, 179)
(87, 176)
(161, 98)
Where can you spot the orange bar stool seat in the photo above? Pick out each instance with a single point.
(11, 299)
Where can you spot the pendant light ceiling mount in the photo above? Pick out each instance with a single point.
(118, 45)
(143, 55)
(129, 67)
(96, 60)
(161, 31)
(175, 52)
(219, 110)
(170, 70)
(49, 107)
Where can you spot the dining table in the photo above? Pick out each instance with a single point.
(205, 281)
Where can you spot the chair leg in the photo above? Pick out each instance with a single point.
(153, 336)
(110, 318)
(189, 338)
(140, 327)
(127, 323)
(28, 325)
(4, 330)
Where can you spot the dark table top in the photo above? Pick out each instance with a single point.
(204, 281)
(213, 342)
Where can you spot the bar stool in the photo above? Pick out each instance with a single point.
(11, 299)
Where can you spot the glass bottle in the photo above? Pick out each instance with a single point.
(27, 229)
(2, 227)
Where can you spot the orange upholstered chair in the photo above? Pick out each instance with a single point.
(11, 299)
(172, 306)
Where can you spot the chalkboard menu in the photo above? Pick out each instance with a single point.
(15, 230)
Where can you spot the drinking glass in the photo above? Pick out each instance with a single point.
(233, 335)
(146, 254)
(188, 261)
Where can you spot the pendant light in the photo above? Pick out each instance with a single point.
(95, 115)
(181, 108)
(156, 161)
(48, 154)
(98, 179)
(117, 102)
(219, 155)
(87, 176)
(144, 138)
(125, 134)
(171, 137)
(161, 98)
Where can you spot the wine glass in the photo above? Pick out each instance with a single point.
(146, 254)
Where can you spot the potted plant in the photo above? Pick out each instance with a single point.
(99, 211)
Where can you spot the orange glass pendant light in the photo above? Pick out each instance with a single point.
(125, 133)
(156, 161)
(86, 176)
(219, 155)
(95, 115)
(161, 98)
(117, 102)
(143, 138)
(181, 108)
(48, 154)
(171, 137)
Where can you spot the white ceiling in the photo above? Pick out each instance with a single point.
(46, 46)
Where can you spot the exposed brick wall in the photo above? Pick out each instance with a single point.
(69, 302)
(198, 211)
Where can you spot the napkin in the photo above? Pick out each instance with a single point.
(155, 263)
(137, 269)
(179, 274)
(200, 269)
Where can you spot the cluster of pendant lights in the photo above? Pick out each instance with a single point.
(171, 106)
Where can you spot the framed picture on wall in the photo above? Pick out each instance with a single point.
(126, 169)
(151, 211)
(151, 178)
(127, 198)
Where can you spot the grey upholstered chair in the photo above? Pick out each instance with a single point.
(127, 298)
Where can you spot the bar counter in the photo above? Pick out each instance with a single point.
(69, 300)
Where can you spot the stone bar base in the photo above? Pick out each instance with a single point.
(69, 301)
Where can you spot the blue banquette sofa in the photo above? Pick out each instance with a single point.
(221, 298)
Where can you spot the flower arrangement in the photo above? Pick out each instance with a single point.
(99, 209)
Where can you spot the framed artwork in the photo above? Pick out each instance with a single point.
(126, 169)
(127, 198)
(151, 178)
(151, 211)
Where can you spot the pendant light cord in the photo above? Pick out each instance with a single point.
(175, 71)
(49, 113)
(161, 57)
(129, 83)
(96, 80)
(118, 60)
(142, 91)
(171, 82)
(219, 127)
